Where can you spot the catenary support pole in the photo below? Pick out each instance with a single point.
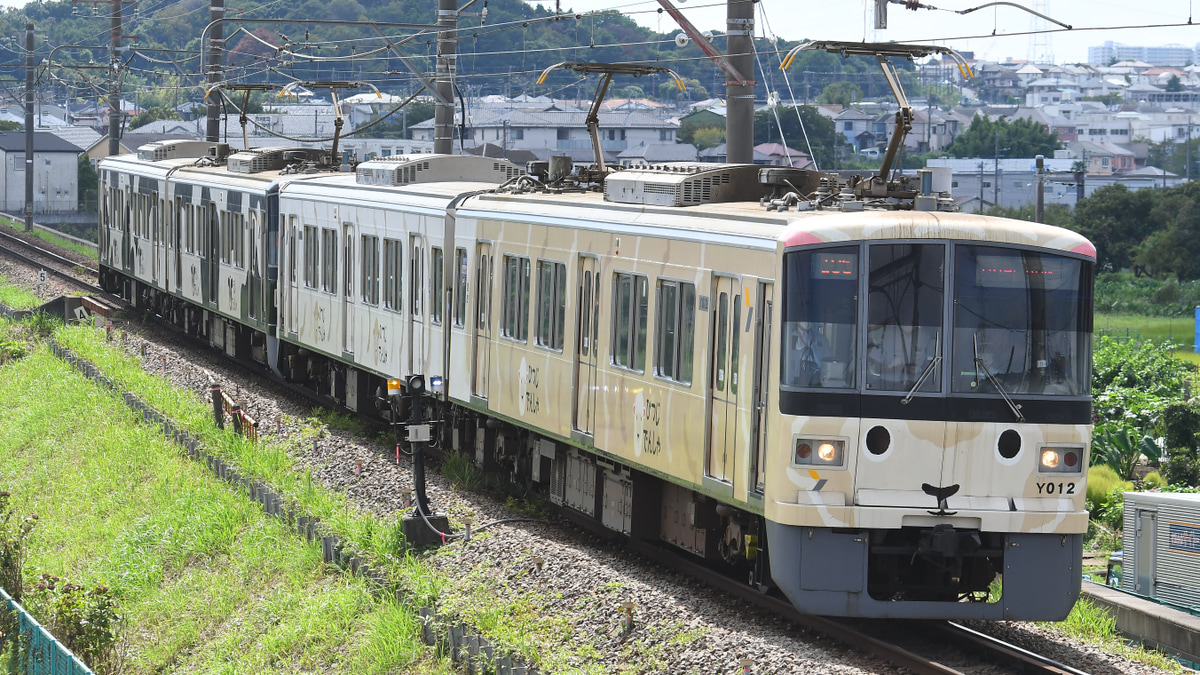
(216, 46)
(114, 80)
(447, 64)
(739, 103)
(29, 127)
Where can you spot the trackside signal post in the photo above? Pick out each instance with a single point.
(423, 527)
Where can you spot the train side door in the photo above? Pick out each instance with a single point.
(723, 380)
(416, 301)
(481, 362)
(587, 319)
(293, 290)
(127, 228)
(155, 236)
(214, 255)
(761, 394)
(177, 239)
(348, 288)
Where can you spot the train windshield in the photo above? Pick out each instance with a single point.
(1020, 323)
(938, 318)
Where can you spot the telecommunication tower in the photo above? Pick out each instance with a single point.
(1041, 47)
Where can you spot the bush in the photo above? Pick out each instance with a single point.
(1122, 448)
(1154, 480)
(1102, 483)
(13, 534)
(1181, 469)
(87, 622)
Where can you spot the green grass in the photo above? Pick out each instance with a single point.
(207, 582)
(51, 238)
(1093, 625)
(1180, 330)
(17, 297)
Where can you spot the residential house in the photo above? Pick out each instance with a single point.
(658, 153)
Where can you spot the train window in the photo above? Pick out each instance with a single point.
(460, 287)
(1020, 324)
(552, 303)
(437, 270)
(311, 256)
(416, 273)
(329, 256)
(629, 321)
(722, 333)
(239, 240)
(226, 238)
(370, 269)
(820, 318)
(393, 267)
(675, 330)
(515, 319)
(904, 317)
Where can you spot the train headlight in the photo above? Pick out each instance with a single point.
(820, 452)
(1061, 460)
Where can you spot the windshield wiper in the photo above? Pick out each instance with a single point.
(937, 358)
(1015, 408)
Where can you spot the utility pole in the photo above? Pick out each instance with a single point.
(114, 82)
(29, 127)
(1189, 150)
(739, 96)
(1040, 209)
(447, 66)
(216, 45)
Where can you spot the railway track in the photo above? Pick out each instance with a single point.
(53, 263)
(985, 652)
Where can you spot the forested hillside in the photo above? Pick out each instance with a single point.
(517, 41)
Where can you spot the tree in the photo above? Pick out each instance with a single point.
(1018, 138)
(708, 137)
(693, 90)
(152, 115)
(688, 130)
(841, 93)
(1174, 84)
(1116, 219)
(821, 133)
(87, 185)
(6, 125)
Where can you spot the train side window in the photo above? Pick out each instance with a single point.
(393, 267)
(629, 321)
(460, 287)
(329, 256)
(675, 331)
(552, 303)
(416, 272)
(311, 253)
(226, 237)
(437, 270)
(722, 332)
(370, 269)
(515, 319)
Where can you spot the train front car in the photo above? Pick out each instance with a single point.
(934, 415)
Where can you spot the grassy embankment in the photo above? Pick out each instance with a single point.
(51, 238)
(16, 297)
(207, 582)
(517, 623)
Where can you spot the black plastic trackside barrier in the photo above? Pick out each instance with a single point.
(466, 649)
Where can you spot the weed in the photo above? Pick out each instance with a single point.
(343, 421)
(1092, 624)
(13, 548)
(459, 468)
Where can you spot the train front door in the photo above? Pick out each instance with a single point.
(761, 395)
(481, 362)
(587, 322)
(723, 381)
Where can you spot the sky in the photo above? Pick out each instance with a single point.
(1093, 22)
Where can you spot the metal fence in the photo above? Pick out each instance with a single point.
(30, 649)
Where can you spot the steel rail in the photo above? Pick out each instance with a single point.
(66, 275)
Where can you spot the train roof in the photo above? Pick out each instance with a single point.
(750, 225)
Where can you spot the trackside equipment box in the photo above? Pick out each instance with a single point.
(1162, 547)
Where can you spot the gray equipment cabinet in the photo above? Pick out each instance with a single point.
(1162, 547)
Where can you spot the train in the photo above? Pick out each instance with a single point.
(842, 389)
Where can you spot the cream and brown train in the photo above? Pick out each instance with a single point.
(879, 407)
